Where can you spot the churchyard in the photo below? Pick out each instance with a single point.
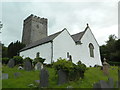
(46, 76)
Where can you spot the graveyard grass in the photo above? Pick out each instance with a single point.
(92, 75)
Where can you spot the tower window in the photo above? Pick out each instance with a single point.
(91, 50)
(68, 55)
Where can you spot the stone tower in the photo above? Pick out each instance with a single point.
(35, 28)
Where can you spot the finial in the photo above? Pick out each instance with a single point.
(87, 25)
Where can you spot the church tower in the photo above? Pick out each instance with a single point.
(34, 28)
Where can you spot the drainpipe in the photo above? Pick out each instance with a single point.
(51, 51)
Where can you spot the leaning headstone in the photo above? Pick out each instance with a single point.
(4, 76)
(11, 63)
(110, 83)
(62, 77)
(17, 74)
(44, 78)
(27, 65)
(105, 67)
(38, 66)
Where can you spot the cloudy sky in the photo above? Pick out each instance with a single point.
(102, 18)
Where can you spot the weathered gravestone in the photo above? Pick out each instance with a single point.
(103, 84)
(62, 77)
(11, 63)
(44, 78)
(110, 83)
(105, 67)
(28, 65)
(17, 74)
(4, 76)
(38, 66)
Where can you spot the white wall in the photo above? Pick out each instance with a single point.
(85, 55)
(44, 50)
(64, 43)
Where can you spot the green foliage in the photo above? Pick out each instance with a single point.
(18, 59)
(66, 66)
(14, 48)
(4, 51)
(73, 71)
(38, 59)
(5, 60)
(27, 58)
(111, 51)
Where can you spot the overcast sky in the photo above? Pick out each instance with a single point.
(102, 18)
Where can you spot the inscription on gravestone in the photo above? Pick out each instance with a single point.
(44, 78)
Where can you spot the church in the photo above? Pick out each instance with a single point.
(81, 46)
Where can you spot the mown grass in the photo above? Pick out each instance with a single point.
(92, 75)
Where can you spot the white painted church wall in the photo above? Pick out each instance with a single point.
(62, 44)
(44, 50)
(85, 57)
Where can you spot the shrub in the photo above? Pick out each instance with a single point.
(18, 60)
(38, 59)
(5, 60)
(72, 70)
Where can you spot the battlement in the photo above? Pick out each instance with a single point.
(36, 19)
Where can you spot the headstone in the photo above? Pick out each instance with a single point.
(17, 74)
(44, 78)
(38, 66)
(62, 77)
(110, 83)
(27, 65)
(4, 76)
(20, 68)
(96, 85)
(11, 63)
(105, 67)
(37, 81)
(103, 84)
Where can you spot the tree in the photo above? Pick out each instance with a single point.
(111, 50)
(14, 48)
(4, 51)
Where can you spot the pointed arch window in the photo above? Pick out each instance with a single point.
(91, 50)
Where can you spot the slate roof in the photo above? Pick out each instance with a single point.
(41, 41)
(76, 37)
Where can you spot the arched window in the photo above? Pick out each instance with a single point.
(91, 50)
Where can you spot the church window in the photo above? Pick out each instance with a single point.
(67, 54)
(91, 50)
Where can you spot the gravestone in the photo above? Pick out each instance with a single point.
(110, 83)
(103, 84)
(44, 78)
(17, 74)
(38, 66)
(62, 77)
(105, 67)
(20, 68)
(11, 63)
(5, 76)
(27, 65)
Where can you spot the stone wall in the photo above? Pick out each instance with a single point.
(34, 28)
